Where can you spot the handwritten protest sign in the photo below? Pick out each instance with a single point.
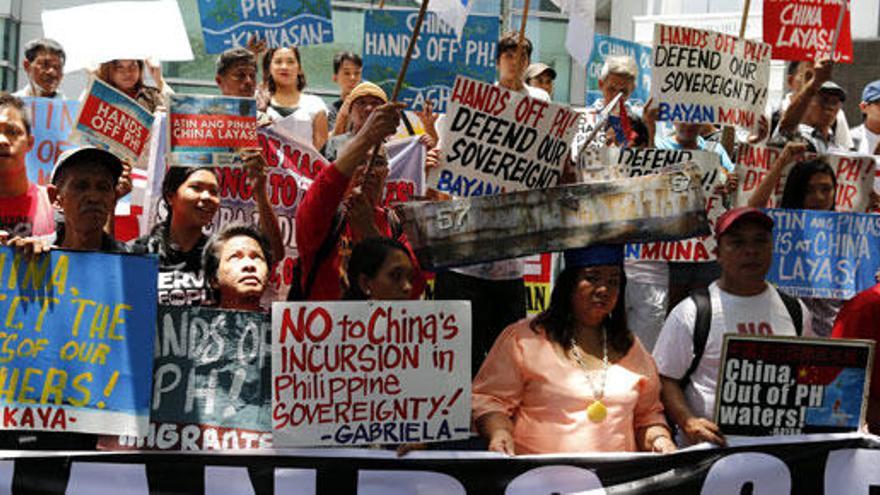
(356, 373)
(664, 206)
(824, 254)
(437, 57)
(804, 29)
(52, 121)
(111, 120)
(637, 162)
(211, 382)
(606, 46)
(406, 170)
(792, 386)
(709, 77)
(228, 25)
(855, 176)
(73, 349)
(496, 140)
(208, 130)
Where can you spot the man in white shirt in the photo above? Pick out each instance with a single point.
(44, 65)
(741, 301)
(867, 136)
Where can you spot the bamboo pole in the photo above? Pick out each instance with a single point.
(728, 133)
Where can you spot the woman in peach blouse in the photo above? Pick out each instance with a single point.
(574, 378)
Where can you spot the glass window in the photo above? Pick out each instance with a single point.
(548, 46)
(9, 29)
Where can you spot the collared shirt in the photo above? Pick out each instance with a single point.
(816, 141)
(28, 92)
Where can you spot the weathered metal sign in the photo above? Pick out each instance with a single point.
(664, 206)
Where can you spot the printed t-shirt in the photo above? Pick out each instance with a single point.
(30, 214)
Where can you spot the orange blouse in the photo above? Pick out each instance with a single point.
(547, 397)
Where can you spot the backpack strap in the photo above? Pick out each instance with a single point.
(793, 305)
(324, 250)
(701, 330)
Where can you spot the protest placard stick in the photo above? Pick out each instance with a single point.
(727, 135)
(402, 75)
(603, 119)
(522, 34)
(836, 37)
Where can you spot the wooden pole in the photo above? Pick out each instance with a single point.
(401, 76)
(728, 134)
(836, 38)
(520, 43)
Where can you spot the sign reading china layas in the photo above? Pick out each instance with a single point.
(209, 130)
(111, 120)
(365, 372)
(804, 29)
(496, 140)
(73, 347)
(709, 77)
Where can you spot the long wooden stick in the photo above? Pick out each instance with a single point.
(520, 43)
(728, 133)
(843, 8)
(401, 76)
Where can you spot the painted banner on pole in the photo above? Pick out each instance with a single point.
(855, 176)
(804, 29)
(709, 77)
(606, 46)
(228, 25)
(824, 254)
(111, 120)
(52, 122)
(438, 57)
(496, 140)
(367, 372)
(208, 130)
(73, 349)
(792, 386)
(406, 170)
(211, 382)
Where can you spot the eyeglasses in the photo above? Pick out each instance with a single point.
(243, 76)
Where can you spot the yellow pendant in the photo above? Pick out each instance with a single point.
(597, 412)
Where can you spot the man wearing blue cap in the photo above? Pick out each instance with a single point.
(866, 137)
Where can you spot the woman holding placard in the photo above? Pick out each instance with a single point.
(574, 378)
(302, 114)
(128, 77)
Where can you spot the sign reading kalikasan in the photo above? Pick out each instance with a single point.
(111, 120)
(209, 130)
(804, 29)
(496, 140)
(709, 77)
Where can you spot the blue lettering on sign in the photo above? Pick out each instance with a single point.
(458, 185)
(684, 112)
(391, 432)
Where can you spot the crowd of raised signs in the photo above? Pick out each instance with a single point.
(624, 355)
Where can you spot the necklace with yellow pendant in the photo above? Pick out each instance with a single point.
(596, 411)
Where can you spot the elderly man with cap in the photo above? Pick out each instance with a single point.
(688, 351)
(812, 112)
(540, 75)
(358, 106)
(866, 137)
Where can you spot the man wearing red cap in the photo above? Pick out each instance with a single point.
(741, 301)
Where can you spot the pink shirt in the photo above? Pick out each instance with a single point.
(547, 397)
(30, 214)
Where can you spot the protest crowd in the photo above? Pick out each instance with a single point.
(257, 269)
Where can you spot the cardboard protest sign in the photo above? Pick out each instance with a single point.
(709, 77)
(496, 140)
(804, 29)
(73, 348)
(606, 46)
(538, 278)
(855, 176)
(211, 382)
(824, 254)
(406, 170)
(792, 386)
(208, 130)
(111, 120)
(664, 206)
(52, 121)
(366, 372)
(438, 57)
(637, 162)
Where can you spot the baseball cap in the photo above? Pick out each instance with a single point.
(87, 154)
(871, 93)
(594, 255)
(729, 218)
(366, 88)
(833, 88)
(537, 69)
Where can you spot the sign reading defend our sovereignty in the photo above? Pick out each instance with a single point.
(209, 130)
(607, 46)
(855, 176)
(792, 386)
(73, 350)
(824, 254)
(52, 123)
(229, 24)
(111, 120)
(437, 57)
(496, 140)
(367, 372)
(804, 29)
(211, 382)
(709, 77)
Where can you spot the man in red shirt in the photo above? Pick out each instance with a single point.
(25, 209)
(858, 319)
